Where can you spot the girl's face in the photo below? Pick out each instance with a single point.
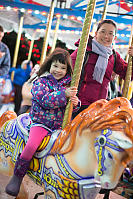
(58, 70)
(106, 34)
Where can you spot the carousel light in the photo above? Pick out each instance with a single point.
(67, 31)
(42, 30)
(38, 30)
(123, 35)
(122, 25)
(29, 11)
(63, 31)
(65, 16)
(22, 10)
(43, 13)
(77, 32)
(58, 15)
(8, 8)
(79, 18)
(1, 7)
(127, 35)
(72, 17)
(15, 9)
(72, 31)
(37, 12)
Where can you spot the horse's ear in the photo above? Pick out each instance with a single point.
(122, 140)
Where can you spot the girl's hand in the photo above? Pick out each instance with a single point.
(71, 91)
(130, 50)
(74, 100)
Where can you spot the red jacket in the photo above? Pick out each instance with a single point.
(91, 90)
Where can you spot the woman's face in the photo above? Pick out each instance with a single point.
(106, 34)
(58, 70)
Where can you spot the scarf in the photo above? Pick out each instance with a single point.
(102, 61)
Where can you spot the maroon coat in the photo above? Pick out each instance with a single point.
(91, 90)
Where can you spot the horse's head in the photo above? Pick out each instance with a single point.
(112, 156)
(117, 150)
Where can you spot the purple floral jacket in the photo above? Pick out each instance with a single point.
(49, 100)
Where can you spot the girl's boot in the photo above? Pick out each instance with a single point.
(21, 167)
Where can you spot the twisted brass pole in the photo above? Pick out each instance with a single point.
(17, 45)
(55, 34)
(80, 57)
(128, 74)
(48, 27)
(31, 46)
(104, 10)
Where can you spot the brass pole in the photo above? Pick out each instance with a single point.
(55, 33)
(80, 56)
(130, 40)
(128, 73)
(17, 45)
(105, 9)
(31, 46)
(48, 27)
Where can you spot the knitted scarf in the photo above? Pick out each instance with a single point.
(102, 61)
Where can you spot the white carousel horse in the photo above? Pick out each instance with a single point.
(6, 94)
(89, 153)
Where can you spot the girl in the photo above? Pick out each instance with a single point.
(50, 93)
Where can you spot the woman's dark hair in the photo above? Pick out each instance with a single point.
(60, 55)
(1, 29)
(109, 21)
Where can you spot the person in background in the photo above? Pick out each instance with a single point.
(97, 71)
(26, 91)
(5, 59)
(51, 90)
(21, 75)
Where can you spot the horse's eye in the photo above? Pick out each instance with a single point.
(110, 155)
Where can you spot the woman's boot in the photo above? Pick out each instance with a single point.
(21, 167)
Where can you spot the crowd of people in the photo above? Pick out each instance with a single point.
(44, 90)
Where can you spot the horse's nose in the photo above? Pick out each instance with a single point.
(106, 185)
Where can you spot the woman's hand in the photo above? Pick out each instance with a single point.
(71, 91)
(74, 100)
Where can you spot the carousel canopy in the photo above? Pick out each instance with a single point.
(72, 14)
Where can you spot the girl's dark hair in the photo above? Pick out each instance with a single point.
(109, 21)
(60, 55)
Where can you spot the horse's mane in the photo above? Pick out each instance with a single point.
(116, 114)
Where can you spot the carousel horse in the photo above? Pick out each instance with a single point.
(90, 153)
(6, 94)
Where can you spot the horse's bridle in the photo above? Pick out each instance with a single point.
(101, 142)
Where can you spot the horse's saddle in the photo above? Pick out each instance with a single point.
(18, 130)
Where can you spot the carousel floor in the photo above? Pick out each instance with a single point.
(31, 188)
